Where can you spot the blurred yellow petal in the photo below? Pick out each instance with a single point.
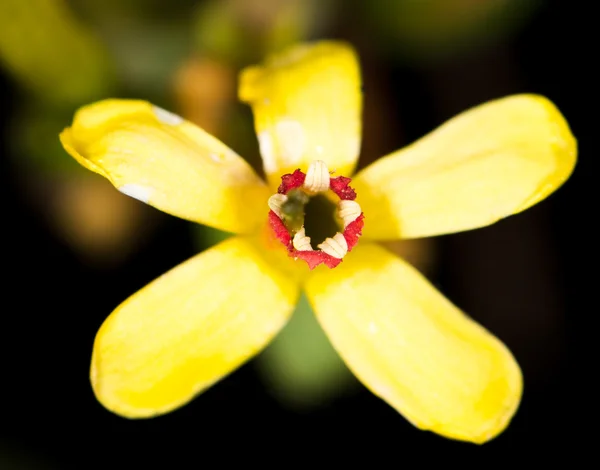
(189, 328)
(167, 162)
(307, 106)
(490, 162)
(413, 348)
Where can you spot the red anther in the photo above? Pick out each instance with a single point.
(279, 229)
(353, 231)
(291, 181)
(315, 258)
(339, 186)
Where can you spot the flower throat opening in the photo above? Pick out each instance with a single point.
(300, 212)
(316, 214)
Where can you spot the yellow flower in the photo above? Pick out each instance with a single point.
(397, 333)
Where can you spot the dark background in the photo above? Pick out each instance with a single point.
(524, 278)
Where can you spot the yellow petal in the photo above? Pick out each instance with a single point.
(413, 348)
(488, 163)
(307, 106)
(189, 328)
(167, 162)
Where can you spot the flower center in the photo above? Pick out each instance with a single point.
(300, 211)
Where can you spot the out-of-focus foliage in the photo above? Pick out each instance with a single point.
(300, 365)
(33, 131)
(147, 39)
(243, 31)
(430, 30)
(51, 53)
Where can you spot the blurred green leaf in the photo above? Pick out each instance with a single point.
(147, 55)
(244, 31)
(204, 236)
(300, 365)
(431, 30)
(52, 54)
(34, 140)
(218, 33)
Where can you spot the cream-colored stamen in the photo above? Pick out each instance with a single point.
(336, 246)
(317, 177)
(301, 242)
(348, 211)
(276, 201)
